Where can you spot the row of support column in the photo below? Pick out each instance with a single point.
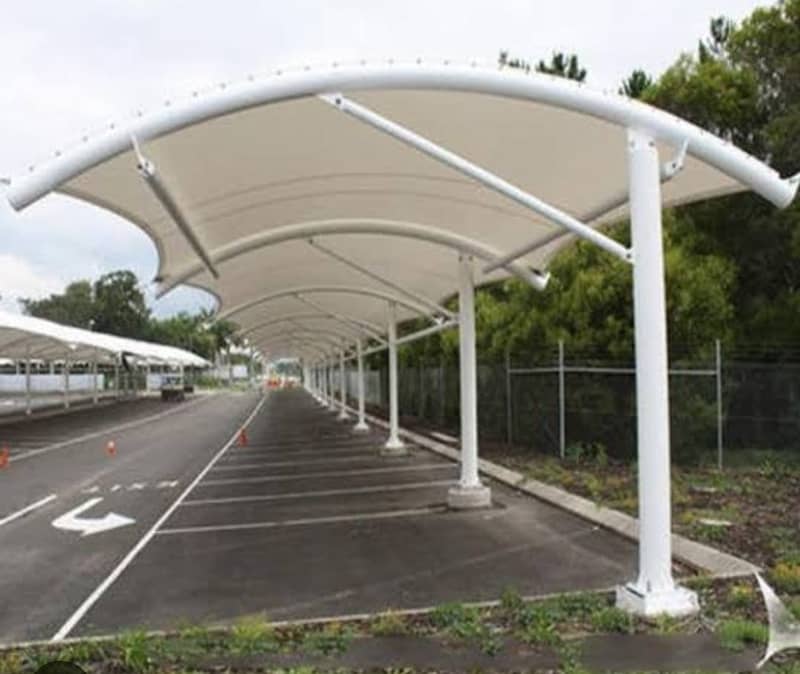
(65, 374)
(470, 492)
(654, 591)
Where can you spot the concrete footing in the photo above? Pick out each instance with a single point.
(677, 602)
(361, 428)
(394, 449)
(469, 498)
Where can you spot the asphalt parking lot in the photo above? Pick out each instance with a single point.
(307, 520)
(28, 437)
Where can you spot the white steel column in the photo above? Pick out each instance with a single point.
(343, 415)
(94, 378)
(394, 445)
(469, 493)
(317, 384)
(326, 384)
(654, 592)
(28, 405)
(66, 382)
(117, 382)
(361, 426)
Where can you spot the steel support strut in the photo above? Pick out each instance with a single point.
(149, 174)
(654, 592)
(361, 426)
(477, 173)
(343, 415)
(394, 445)
(469, 493)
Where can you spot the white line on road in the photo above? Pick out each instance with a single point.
(317, 494)
(104, 431)
(233, 457)
(330, 473)
(388, 514)
(98, 592)
(306, 462)
(27, 509)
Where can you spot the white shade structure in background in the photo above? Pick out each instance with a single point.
(310, 201)
(23, 337)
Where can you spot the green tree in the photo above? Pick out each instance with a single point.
(119, 306)
(744, 84)
(636, 84)
(560, 64)
(563, 65)
(75, 306)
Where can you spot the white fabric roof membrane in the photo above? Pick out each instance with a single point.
(299, 205)
(28, 337)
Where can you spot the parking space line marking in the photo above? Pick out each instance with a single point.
(95, 434)
(98, 592)
(387, 514)
(307, 462)
(245, 455)
(27, 509)
(330, 473)
(343, 441)
(317, 494)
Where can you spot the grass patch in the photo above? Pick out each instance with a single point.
(741, 596)
(785, 577)
(612, 619)
(252, 634)
(736, 635)
(466, 623)
(333, 638)
(389, 624)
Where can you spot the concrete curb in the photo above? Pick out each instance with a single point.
(697, 555)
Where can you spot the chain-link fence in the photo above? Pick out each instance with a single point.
(723, 408)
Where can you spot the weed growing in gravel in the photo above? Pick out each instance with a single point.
(535, 626)
(136, 651)
(333, 638)
(786, 577)
(252, 634)
(738, 634)
(389, 624)
(741, 596)
(466, 623)
(612, 619)
(81, 652)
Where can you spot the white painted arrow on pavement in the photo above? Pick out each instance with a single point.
(90, 525)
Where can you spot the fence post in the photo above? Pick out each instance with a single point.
(562, 417)
(509, 409)
(720, 413)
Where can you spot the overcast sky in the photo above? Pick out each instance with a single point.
(71, 67)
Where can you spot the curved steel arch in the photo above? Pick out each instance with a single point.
(336, 340)
(311, 315)
(344, 340)
(557, 92)
(320, 353)
(305, 230)
(314, 289)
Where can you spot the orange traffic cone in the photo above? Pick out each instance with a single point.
(4, 457)
(111, 448)
(243, 438)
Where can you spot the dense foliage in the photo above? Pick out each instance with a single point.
(732, 263)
